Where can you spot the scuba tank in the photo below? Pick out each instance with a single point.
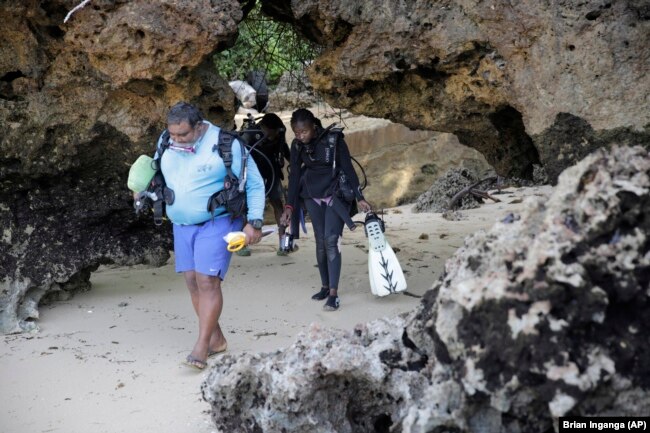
(141, 173)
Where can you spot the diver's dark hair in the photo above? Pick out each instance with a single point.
(184, 112)
(304, 115)
(272, 121)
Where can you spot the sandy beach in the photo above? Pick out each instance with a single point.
(110, 360)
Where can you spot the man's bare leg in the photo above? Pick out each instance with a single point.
(207, 300)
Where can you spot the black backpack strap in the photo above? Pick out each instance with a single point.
(158, 212)
(224, 147)
(163, 194)
(164, 143)
(233, 195)
(161, 148)
(333, 136)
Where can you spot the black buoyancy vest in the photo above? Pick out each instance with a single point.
(166, 195)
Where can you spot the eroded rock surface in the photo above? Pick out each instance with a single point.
(438, 197)
(78, 102)
(540, 316)
(510, 79)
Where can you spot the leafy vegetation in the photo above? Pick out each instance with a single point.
(265, 45)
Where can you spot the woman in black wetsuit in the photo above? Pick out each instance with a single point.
(319, 159)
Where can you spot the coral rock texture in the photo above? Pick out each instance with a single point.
(511, 79)
(438, 197)
(538, 317)
(78, 102)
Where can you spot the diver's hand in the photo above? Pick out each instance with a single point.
(364, 206)
(253, 235)
(139, 201)
(285, 219)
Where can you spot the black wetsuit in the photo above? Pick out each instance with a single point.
(313, 176)
(276, 152)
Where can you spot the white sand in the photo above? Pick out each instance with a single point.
(109, 360)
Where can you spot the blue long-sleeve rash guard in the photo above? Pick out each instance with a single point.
(194, 177)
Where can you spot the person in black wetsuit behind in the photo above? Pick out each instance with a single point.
(274, 150)
(318, 159)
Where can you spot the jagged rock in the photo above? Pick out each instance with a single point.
(322, 383)
(540, 175)
(522, 82)
(438, 196)
(78, 103)
(538, 317)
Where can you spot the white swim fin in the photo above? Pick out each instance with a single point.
(384, 270)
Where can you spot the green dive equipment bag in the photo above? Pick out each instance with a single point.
(141, 173)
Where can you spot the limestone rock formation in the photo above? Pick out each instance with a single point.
(539, 317)
(438, 197)
(78, 102)
(522, 82)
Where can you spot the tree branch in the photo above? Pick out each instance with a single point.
(484, 195)
(460, 194)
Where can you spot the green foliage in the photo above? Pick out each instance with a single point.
(264, 45)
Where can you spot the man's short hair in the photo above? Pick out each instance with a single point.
(184, 112)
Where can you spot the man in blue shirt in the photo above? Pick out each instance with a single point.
(194, 172)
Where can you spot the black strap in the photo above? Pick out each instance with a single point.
(224, 146)
(164, 143)
(342, 211)
(332, 139)
(158, 206)
(158, 212)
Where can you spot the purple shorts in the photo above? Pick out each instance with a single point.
(201, 247)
